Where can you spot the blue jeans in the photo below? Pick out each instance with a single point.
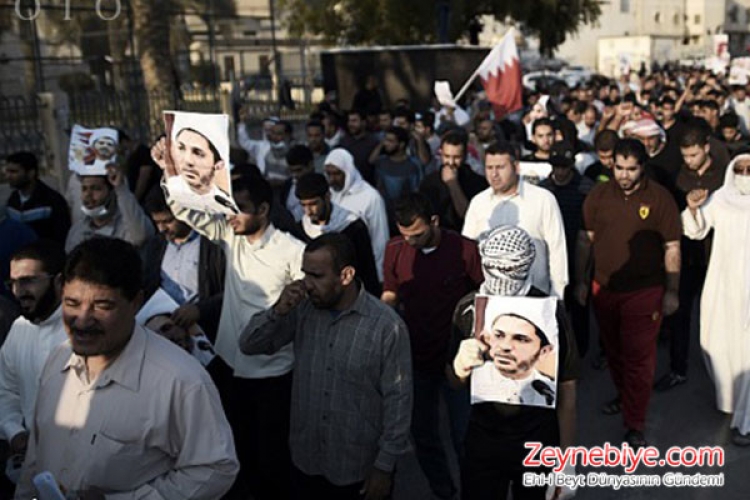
(425, 428)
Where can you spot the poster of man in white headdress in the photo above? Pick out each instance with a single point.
(91, 150)
(197, 161)
(156, 315)
(521, 360)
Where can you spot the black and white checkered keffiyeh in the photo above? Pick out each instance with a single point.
(507, 254)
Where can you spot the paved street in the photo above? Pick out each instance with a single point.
(685, 416)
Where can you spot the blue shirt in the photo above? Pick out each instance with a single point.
(179, 269)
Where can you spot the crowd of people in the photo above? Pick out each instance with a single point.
(300, 346)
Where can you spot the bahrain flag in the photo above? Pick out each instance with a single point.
(500, 73)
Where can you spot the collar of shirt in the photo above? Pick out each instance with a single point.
(359, 305)
(520, 190)
(265, 239)
(125, 369)
(191, 238)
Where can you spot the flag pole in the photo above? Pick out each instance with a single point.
(466, 85)
(509, 32)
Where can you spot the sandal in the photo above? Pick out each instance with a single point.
(612, 407)
(635, 439)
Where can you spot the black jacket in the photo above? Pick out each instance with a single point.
(211, 271)
(46, 212)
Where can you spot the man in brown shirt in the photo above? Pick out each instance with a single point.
(634, 228)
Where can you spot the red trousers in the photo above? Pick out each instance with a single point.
(629, 325)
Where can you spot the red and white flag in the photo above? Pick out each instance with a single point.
(500, 73)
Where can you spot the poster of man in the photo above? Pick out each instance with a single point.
(91, 150)
(156, 315)
(521, 360)
(197, 161)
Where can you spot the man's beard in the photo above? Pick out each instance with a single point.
(41, 308)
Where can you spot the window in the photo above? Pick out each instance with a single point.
(697, 19)
(747, 15)
(676, 19)
(657, 18)
(625, 6)
(733, 14)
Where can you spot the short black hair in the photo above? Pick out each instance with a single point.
(299, 154)
(427, 118)
(314, 123)
(455, 137)
(258, 189)
(155, 202)
(401, 134)
(357, 112)
(709, 104)
(411, 207)
(543, 340)
(110, 262)
(632, 148)
(25, 159)
(606, 140)
(502, 148)
(310, 186)
(694, 135)
(667, 100)
(729, 120)
(50, 253)
(541, 122)
(402, 112)
(245, 170)
(339, 247)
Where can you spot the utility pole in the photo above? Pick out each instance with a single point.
(275, 51)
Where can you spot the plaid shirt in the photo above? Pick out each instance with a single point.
(352, 389)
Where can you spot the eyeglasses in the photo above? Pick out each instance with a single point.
(26, 280)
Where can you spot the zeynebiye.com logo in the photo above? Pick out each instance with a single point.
(29, 10)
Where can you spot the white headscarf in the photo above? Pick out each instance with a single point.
(729, 197)
(344, 161)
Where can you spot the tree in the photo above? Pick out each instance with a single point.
(398, 22)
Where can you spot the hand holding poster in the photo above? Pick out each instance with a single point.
(196, 161)
(91, 150)
(521, 362)
(156, 315)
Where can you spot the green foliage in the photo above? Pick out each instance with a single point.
(396, 22)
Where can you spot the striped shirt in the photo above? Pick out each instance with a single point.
(352, 386)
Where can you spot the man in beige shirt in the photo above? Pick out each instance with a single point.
(121, 412)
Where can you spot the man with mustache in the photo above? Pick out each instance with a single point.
(515, 344)
(122, 412)
(35, 282)
(197, 161)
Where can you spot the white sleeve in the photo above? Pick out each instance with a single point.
(697, 227)
(138, 225)
(379, 232)
(554, 237)
(470, 230)
(11, 412)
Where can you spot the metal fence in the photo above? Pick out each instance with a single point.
(21, 126)
(137, 113)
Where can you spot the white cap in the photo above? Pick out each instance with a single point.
(214, 127)
(159, 303)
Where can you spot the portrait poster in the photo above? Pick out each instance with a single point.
(152, 316)
(534, 171)
(92, 149)
(521, 360)
(197, 158)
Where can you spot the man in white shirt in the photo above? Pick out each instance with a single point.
(261, 261)
(35, 282)
(510, 201)
(350, 191)
(123, 413)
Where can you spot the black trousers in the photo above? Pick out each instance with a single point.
(258, 412)
(691, 284)
(579, 318)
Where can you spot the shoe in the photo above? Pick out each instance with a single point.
(612, 407)
(669, 381)
(740, 439)
(635, 439)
